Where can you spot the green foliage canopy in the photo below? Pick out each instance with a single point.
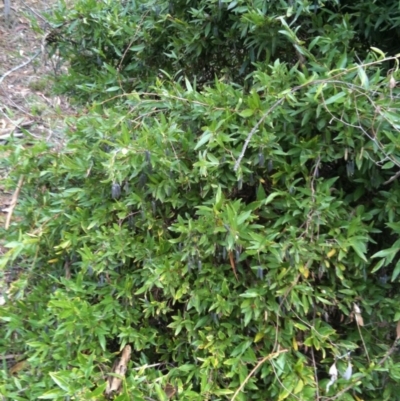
(229, 201)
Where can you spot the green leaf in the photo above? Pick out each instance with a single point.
(390, 253)
(203, 139)
(363, 77)
(52, 394)
(243, 217)
(396, 271)
(338, 98)
(246, 113)
(271, 197)
(60, 381)
(113, 89)
(359, 248)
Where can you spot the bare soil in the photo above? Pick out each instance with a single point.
(27, 104)
(26, 100)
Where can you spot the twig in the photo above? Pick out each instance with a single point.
(14, 201)
(266, 358)
(7, 133)
(295, 89)
(253, 131)
(290, 392)
(7, 136)
(13, 104)
(139, 26)
(390, 352)
(362, 339)
(233, 265)
(397, 175)
(10, 356)
(314, 364)
(350, 386)
(20, 66)
(34, 12)
(148, 366)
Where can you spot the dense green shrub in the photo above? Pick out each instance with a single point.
(232, 214)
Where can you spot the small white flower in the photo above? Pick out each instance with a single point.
(349, 371)
(334, 374)
(333, 370)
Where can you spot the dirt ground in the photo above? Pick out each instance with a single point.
(26, 101)
(25, 85)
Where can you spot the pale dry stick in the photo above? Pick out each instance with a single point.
(282, 385)
(127, 49)
(266, 358)
(19, 66)
(34, 12)
(362, 339)
(8, 136)
(295, 89)
(377, 107)
(131, 42)
(7, 133)
(311, 212)
(397, 175)
(280, 307)
(359, 127)
(13, 104)
(315, 365)
(312, 328)
(364, 65)
(148, 366)
(10, 356)
(253, 131)
(13, 202)
(375, 138)
(314, 176)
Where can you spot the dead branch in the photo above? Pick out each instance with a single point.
(253, 131)
(19, 66)
(266, 358)
(13, 202)
(119, 369)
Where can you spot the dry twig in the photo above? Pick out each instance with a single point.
(19, 66)
(14, 202)
(114, 382)
(266, 358)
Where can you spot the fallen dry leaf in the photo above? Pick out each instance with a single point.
(17, 367)
(170, 390)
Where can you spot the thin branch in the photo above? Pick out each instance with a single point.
(139, 26)
(253, 131)
(314, 364)
(295, 89)
(397, 175)
(290, 392)
(148, 366)
(14, 202)
(267, 358)
(20, 66)
(11, 134)
(362, 339)
(35, 12)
